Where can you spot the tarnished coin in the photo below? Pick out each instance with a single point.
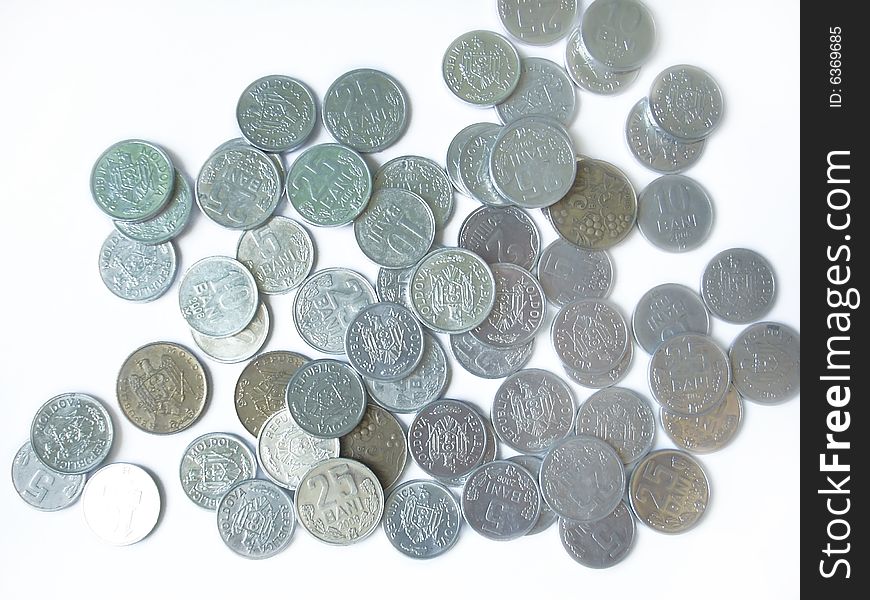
(238, 347)
(212, 464)
(392, 285)
(329, 185)
(486, 361)
(709, 432)
(738, 286)
(168, 223)
(532, 410)
(255, 519)
(667, 310)
(396, 229)
(262, 386)
(533, 465)
(590, 336)
(689, 374)
(606, 379)
(766, 362)
(384, 342)
(620, 417)
(474, 165)
(121, 503)
(518, 311)
(132, 180)
(218, 296)
(340, 501)
(136, 271)
(501, 501)
(669, 491)
(568, 273)
(453, 154)
(600, 209)
(656, 149)
(582, 479)
(452, 290)
(422, 386)
(326, 398)
(425, 178)
(591, 76)
(72, 433)
(481, 67)
(447, 439)
(422, 519)
(286, 453)
(544, 89)
(618, 34)
(279, 254)
(501, 235)
(162, 388)
(675, 213)
(686, 102)
(379, 443)
(277, 113)
(539, 23)
(601, 544)
(326, 304)
(366, 110)
(41, 487)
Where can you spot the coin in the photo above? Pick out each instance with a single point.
(590, 336)
(656, 149)
(675, 213)
(136, 271)
(255, 519)
(485, 361)
(588, 74)
(667, 310)
(539, 23)
(518, 311)
(689, 374)
(218, 296)
(162, 388)
(166, 224)
(669, 491)
(606, 379)
(121, 504)
(41, 487)
(532, 410)
(453, 153)
(275, 158)
(494, 75)
(501, 501)
(422, 519)
(239, 347)
(212, 464)
(709, 432)
(620, 417)
(396, 229)
(278, 253)
(425, 178)
(738, 286)
(276, 113)
(766, 362)
(392, 285)
(132, 180)
(384, 342)
(72, 433)
(447, 439)
(366, 110)
(473, 168)
(286, 452)
(340, 501)
(501, 235)
(379, 443)
(422, 386)
(543, 89)
(568, 273)
(601, 544)
(326, 398)
(261, 387)
(618, 34)
(686, 102)
(533, 465)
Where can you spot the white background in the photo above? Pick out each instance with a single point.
(78, 76)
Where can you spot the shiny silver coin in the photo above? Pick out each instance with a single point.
(544, 89)
(121, 504)
(340, 501)
(669, 491)
(474, 165)
(656, 149)
(496, 68)
(365, 109)
(72, 433)
(518, 311)
(601, 544)
(582, 479)
(486, 361)
(569, 273)
(218, 296)
(675, 213)
(262, 385)
(538, 23)
(590, 336)
(501, 235)
(279, 253)
(532, 410)
(689, 374)
(168, 223)
(738, 286)
(325, 305)
(396, 229)
(286, 453)
(766, 362)
(686, 102)
(606, 379)
(392, 285)
(277, 113)
(533, 465)
(425, 178)
(618, 34)
(41, 487)
(454, 152)
(667, 310)
(709, 432)
(379, 443)
(422, 386)
(490, 450)
(501, 501)
(620, 417)
(447, 439)
(132, 180)
(212, 464)
(239, 347)
(255, 519)
(326, 398)
(135, 271)
(422, 519)
(587, 74)
(384, 342)
(275, 158)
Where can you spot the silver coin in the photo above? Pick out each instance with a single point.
(618, 34)
(396, 229)
(366, 110)
(393, 284)
(501, 501)
(667, 310)
(474, 165)
(425, 178)
(533, 465)
(485, 361)
(591, 76)
(533, 162)
(709, 432)
(422, 386)
(329, 185)
(326, 398)
(620, 417)
(454, 152)
(686, 102)
(379, 443)
(422, 519)
(255, 519)
(675, 213)
(689, 374)
(132, 180)
(501, 235)
(72, 433)
(481, 67)
(279, 253)
(239, 347)
(325, 305)
(669, 491)
(568, 273)
(277, 113)
(212, 464)
(452, 290)
(539, 22)
(168, 223)
(606, 379)
(590, 336)
(135, 271)
(275, 158)
(340, 501)
(518, 311)
(447, 439)
(544, 89)
(738, 286)
(601, 544)
(121, 504)
(286, 453)
(218, 296)
(766, 362)
(582, 479)
(384, 342)
(262, 385)
(41, 487)
(656, 149)
(490, 448)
